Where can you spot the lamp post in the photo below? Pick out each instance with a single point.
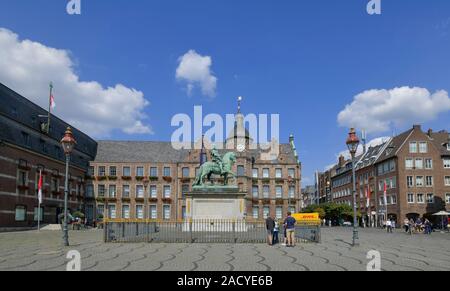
(68, 143)
(146, 182)
(290, 182)
(352, 144)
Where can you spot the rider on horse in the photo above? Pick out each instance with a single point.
(216, 158)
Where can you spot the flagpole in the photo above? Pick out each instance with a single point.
(39, 202)
(49, 107)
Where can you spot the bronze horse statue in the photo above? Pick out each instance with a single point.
(210, 168)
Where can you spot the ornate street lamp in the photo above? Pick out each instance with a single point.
(290, 182)
(146, 182)
(68, 143)
(352, 144)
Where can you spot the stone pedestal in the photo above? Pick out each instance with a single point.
(215, 203)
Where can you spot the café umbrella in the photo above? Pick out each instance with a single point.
(442, 214)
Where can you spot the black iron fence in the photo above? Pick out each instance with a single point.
(198, 231)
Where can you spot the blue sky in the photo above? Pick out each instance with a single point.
(305, 60)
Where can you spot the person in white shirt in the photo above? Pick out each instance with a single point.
(389, 226)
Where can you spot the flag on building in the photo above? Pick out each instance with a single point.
(40, 188)
(385, 194)
(368, 196)
(52, 98)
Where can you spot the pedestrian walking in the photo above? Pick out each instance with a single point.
(270, 225)
(289, 224)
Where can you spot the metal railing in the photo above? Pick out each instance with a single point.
(198, 231)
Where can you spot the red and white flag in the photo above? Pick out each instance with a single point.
(52, 101)
(385, 194)
(368, 196)
(40, 188)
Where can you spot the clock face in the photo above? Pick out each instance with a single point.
(241, 148)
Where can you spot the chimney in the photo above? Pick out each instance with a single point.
(417, 126)
(341, 161)
(430, 132)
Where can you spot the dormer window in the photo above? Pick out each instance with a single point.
(448, 146)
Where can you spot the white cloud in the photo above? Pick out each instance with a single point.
(27, 67)
(381, 110)
(195, 69)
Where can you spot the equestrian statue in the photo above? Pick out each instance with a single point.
(218, 166)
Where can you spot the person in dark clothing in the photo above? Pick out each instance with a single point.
(289, 224)
(270, 226)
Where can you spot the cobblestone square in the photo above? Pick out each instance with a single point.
(42, 251)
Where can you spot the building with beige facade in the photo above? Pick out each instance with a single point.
(149, 180)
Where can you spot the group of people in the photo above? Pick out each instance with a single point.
(417, 226)
(273, 230)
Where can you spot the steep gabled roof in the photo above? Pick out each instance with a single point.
(394, 146)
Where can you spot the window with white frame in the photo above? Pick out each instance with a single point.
(153, 191)
(430, 198)
(409, 163)
(410, 198)
(291, 173)
(428, 164)
(265, 173)
(429, 181)
(447, 180)
(410, 181)
(126, 171)
(255, 191)
(125, 211)
(241, 171)
(255, 173)
(100, 209)
(419, 164)
(101, 190)
(279, 191)
(423, 147)
(279, 212)
(420, 198)
(419, 181)
(102, 171)
(112, 211)
(166, 212)
(167, 192)
(153, 172)
(21, 213)
(139, 191)
(447, 163)
(413, 147)
(394, 182)
(266, 191)
(126, 191)
(166, 171)
(113, 171)
(153, 212)
(394, 199)
(291, 192)
(112, 191)
(266, 212)
(255, 212)
(140, 211)
(278, 173)
(140, 172)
